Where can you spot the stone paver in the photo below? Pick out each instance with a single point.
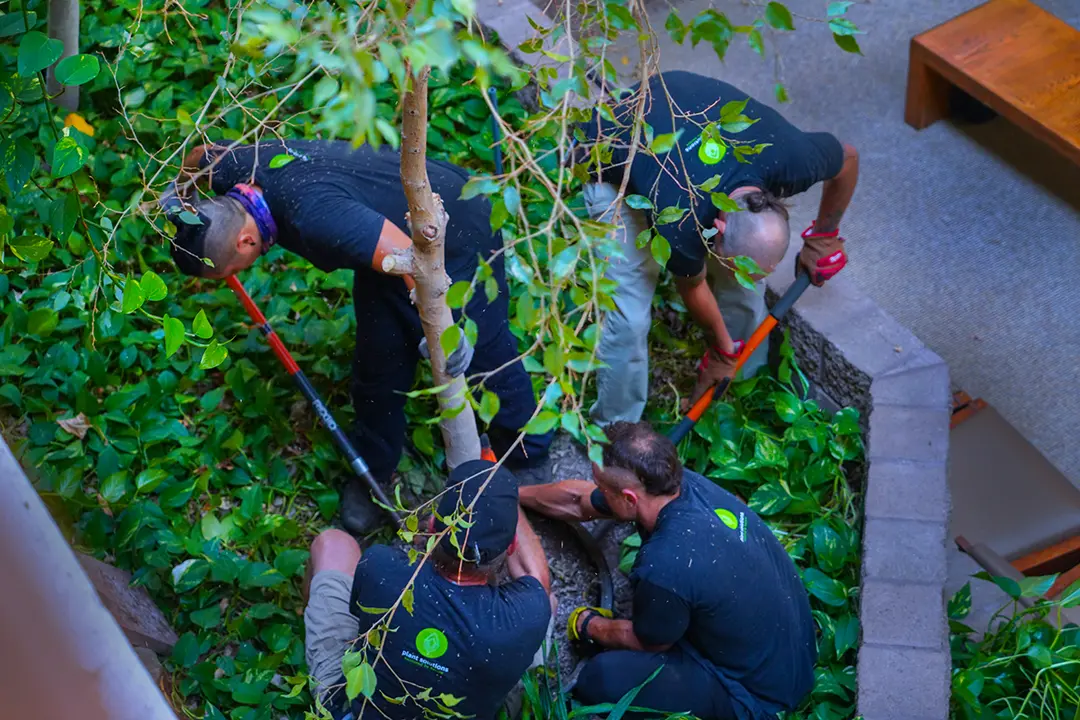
(905, 490)
(902, 433)
(904, 551)
(896, 682)
(902, 614)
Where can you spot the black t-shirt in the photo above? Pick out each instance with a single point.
(712, 574)
(330, 201)
(796, 161)
(471, 642)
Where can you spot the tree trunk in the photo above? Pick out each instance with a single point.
(428, 221)
(64, 26)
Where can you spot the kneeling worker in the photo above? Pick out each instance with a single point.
(466, 637)
(717, 601)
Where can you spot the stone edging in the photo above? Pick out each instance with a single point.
(860, 356)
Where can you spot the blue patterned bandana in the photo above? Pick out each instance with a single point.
(252, 200)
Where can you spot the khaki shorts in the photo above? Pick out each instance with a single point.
(329, 628)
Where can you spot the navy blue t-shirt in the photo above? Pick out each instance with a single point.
(713, 575)
(795, 161)
(330, 201)
(471, 642)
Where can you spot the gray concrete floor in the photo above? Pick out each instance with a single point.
(970, 236)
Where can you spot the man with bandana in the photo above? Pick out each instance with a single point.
(341, 207)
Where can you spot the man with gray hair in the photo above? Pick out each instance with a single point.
(706, 200)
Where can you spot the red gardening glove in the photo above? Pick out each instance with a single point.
(714, 367)
(822, 255)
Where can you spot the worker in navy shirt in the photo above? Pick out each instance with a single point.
(341, 207)
(717, 602)
(704, 237)
(466, 640)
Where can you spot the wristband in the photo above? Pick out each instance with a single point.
(809, 233)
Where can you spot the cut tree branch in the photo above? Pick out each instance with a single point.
(428, 221)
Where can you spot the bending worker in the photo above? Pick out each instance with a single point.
(717, 602)
(341, 207)
(465, 636)
(726, 311)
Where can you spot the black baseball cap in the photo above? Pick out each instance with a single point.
(494, 515)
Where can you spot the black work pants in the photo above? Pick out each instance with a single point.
(684, 685)
(388, 334)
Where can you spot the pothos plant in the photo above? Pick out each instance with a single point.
(152, 417)
(1026, 664)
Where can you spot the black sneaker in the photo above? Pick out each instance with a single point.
(359, 514)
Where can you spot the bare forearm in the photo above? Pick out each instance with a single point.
(836, 193)
(528, 558)
(701, 304)
(566, 500)
(614, 634)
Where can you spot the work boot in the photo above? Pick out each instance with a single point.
(359, 513)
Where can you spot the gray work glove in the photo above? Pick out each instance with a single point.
(459, 360)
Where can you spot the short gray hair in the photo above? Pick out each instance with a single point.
(759, 230)
(227, 218)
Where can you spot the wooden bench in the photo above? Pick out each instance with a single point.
(1010, 55)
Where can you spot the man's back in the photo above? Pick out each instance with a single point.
(748, 613)
(471, 642)
(330, 200)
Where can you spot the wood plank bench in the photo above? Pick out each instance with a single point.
(1010, 55)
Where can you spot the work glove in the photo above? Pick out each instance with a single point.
(459, 360)
(714, 367)
(577, 625)
(822, 255)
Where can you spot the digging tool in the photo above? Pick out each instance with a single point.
(776, 314)
(340, 438)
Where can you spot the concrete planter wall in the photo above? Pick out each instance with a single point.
(859, 356)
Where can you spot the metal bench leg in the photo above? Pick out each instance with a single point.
(927, 91)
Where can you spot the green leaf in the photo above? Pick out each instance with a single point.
(838, 8)
(360, 681)
(459, 294)
(201, 326)
(769, 499)
(213, 356)
(661, 250)
(37, 51)
(189, 574)
(638, 202)
(77, 69)
(407, 599)
(721, 201)
(114, 487)
(512, 199)
(17, 162)
(669, 215)
(842, 26)
(424, 440)
(153, 287)
(133, 296)
(1036, 587)
(479, 185)
(711, 152)
(290, 562)
(12, 23)
(710, 184)
(757, 43)
(675, 27)
(280, 160)
(148, 480)
(768, 453)
(778, 16)
(960, 603)
(31, 248)
(824, 588)
(542, 423)
(847, 43)
(553, 359)
(781, 93)
(207, 618)
(643, 238)
(41, 321)
(449, 340)
(174, 335)
(186, 651)
(68, 156)
(788, 407)
(846, 636)
(664, 143)
(189, 218)
(829, 547)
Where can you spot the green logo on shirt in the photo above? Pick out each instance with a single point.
(431, 643)
(727, 517)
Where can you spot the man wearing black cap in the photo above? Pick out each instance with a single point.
(719, 610)
(466, 641)
(341, 207)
